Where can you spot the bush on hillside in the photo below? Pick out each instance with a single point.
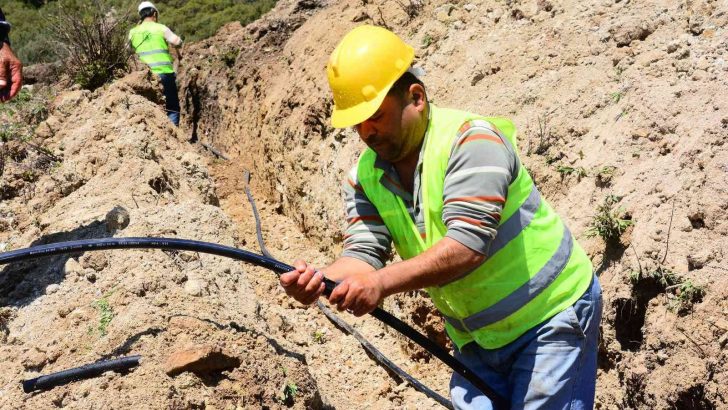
(91, 38)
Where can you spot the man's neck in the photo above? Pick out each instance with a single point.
(407, 166)
(152, 19)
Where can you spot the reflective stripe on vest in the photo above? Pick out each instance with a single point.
(534, 268)
(148, 41)
(521, 296)
(152, 52)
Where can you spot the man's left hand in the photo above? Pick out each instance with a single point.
(11, 73)
(358, 294)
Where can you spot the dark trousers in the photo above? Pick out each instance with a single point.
(169, 82)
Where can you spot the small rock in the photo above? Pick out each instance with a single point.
(117, 218)
(629, 31)
(469, 7)
(91, 277)
(200, 359)
(640, 133)
(64, 311)
(52, 288)
(195, 287)
(179, 278)
(188, 256)
(94, 260)
(360, 17)
(699, 260)
(662, 357)
(34, 360)
(723, 340)
(72, 267)
(673, 47)
(477, 77)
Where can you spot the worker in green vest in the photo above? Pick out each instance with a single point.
(150, 41)
(447, 188)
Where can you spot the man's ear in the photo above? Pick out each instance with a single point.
(417, 96)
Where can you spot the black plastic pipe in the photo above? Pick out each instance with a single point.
(52, 380)
(86, 245)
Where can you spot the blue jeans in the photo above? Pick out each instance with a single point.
(552, 366)
(169, 83)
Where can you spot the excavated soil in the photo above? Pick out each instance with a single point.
(619, 99)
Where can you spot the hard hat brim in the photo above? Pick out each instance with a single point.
(343, 118)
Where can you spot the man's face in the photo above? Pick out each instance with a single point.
(391, 130)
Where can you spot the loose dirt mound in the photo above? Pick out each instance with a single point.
(64, 311)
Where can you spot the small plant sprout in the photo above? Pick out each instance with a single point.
(426, 40)
(609, 223)
(616, 96)
(605, 174)
(287, 394)
(319, 336)
(686, 293)
(230, 56)
(106, 314)
(580, 172)
(290, 391)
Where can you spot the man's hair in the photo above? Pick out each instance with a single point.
(147, 12)
(403, 83)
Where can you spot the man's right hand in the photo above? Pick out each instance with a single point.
(305, 284)
(11, 73)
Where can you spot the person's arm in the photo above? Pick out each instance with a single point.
(11, 69)
(367, 244)
(481, 167)
(172, 38)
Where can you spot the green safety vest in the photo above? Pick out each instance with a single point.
(148, 41)
(534, 268)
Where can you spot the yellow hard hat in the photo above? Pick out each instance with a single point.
(362, 69)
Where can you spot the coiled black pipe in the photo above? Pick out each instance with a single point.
(52, 380)
(256, 259)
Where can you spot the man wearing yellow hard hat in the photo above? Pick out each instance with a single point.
(151, 40)
(446, 187)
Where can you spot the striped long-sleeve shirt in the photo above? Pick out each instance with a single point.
(482, 165)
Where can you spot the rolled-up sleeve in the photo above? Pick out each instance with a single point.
(366, 237)
(482, 165)
(171, 38)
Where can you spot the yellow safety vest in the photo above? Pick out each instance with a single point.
(534, 269)
(148, 41)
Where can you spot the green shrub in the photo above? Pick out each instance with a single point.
(92, 39)
(230, 56)
(609, 223)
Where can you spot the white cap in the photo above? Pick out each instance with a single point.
(146, 5)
